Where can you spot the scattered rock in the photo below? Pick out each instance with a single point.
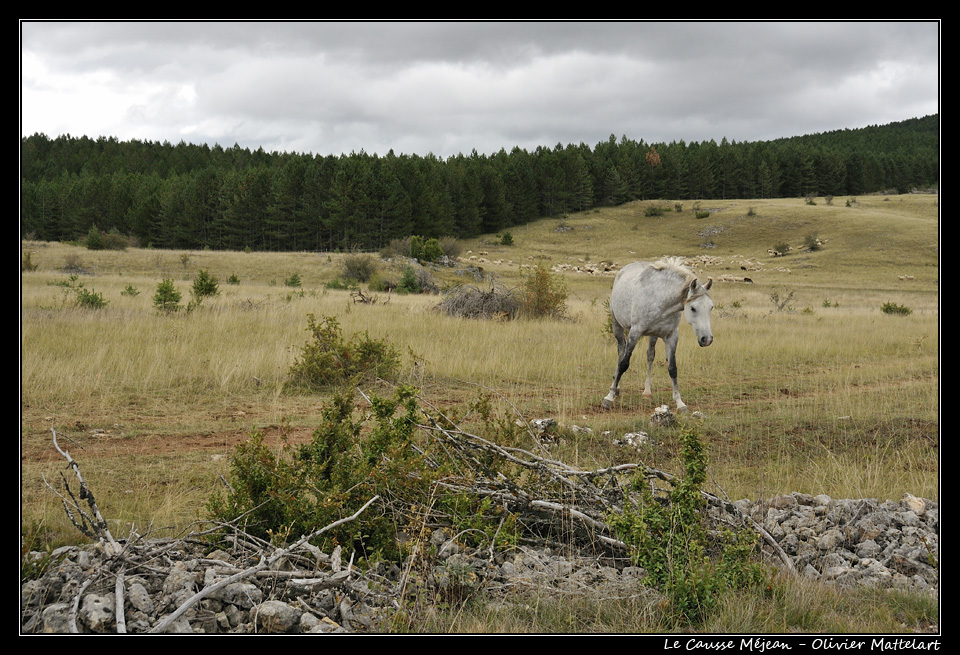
(845, 542)
(663, 416)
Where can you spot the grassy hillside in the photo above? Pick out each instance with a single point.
(809, 386)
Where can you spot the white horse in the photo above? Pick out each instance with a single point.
(647, 301)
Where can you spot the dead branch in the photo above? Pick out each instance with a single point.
(92, 525)
(264, 563)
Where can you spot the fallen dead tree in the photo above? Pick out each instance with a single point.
(580, 499)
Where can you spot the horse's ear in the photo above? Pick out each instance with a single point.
(708, 284)
(688, 289)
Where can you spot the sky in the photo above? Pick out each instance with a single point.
(445, 88)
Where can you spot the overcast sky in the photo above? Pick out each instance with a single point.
(451, 87)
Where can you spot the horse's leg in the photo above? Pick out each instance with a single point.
(625, 346)
(671, 343)
(651, 354)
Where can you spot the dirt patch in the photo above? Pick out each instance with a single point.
(105, 444)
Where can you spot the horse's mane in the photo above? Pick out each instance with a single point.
(675, 264)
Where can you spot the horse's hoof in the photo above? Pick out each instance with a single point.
(607, 404)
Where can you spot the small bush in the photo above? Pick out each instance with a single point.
(113, 240)
(416, 279)
(359, 267)
(233, 279)
(307, 486)
(73, 263)
(409, 283)
(340, 284)
(293, 280)
(693, 566)
(328, 360)
(167, 298)
(204, 285)
(450, 247)
(653, 211)
(396, 248)
(89, 299)
(781, 299)
(425, 250)
(895, 309)
(543, 295)
(702, 214)
(506, 239)
(131, 291)
(94, 239)
(85, 298)
(381, 282)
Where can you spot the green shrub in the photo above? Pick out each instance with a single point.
(895, 309)
(382, 282)
(89, 299)
(702, 214)
(409, 282)
(654, 211)
(85, 298)
(431, 250)
(296, 489)
(302, 488)
(131, 291)
(693, 566)
(543, 295)
(204, 285)
(416, 279)
(328, 360)
(293, 280)
(338, 283)
(94, 239)
(425, 250)
(167, 298)
(233, 279)
(506, 239)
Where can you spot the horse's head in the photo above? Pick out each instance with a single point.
(697, 306)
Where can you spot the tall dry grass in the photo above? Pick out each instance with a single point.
(827, 396)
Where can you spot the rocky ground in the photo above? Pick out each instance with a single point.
(841, 542)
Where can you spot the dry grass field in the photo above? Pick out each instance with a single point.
(809, 385)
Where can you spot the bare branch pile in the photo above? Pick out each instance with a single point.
(468, 301)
